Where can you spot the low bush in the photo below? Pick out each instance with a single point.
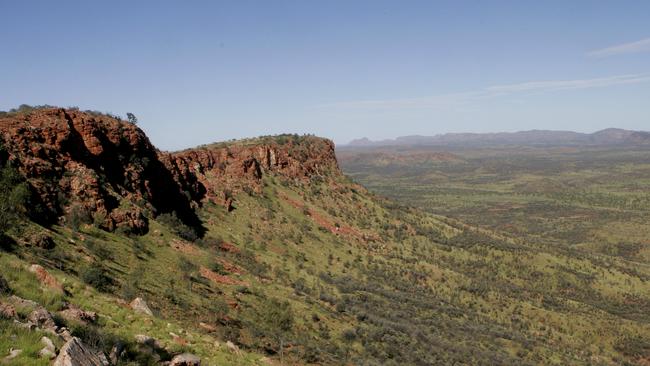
(97, 277)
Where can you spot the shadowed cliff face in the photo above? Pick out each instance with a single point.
(108, 168)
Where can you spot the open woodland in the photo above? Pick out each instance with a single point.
(497, 256)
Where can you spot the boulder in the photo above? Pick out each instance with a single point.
(73, 312)
(148, 345)
(116, 353)
(29, 325)
(185, 359)
(7, 310)
(48, 344)
(140, 306)
(233, 348)
(64, 334)
(46, 353)
(147, 341)
(13, 353)
(42, 240)
(42, 318)
(24, 303)
(75, 353)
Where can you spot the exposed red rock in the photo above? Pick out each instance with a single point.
(219, 279)
(101, 166)
(73, 312)
(45, 277)
(219, 171)
(336, 228)
(95, 164)
(228, 247)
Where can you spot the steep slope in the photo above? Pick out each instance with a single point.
(295, 263)
(94, 164)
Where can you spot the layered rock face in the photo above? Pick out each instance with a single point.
(80, 162)
(90, 164)
(218, 172)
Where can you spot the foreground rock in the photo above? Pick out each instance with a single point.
(116, 353)
(42, 319)
(147, 341)
(49, 350)
(233, 348)
(185, 359)
(13, 353)
(140, 306)
(75, 353)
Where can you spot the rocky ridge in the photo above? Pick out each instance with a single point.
(99, 168)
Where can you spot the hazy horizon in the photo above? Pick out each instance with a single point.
(222, 70)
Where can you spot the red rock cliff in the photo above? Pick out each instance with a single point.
(218, 171)
(109, 168)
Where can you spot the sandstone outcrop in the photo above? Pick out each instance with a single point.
(91, 167)
(95, 164)
(218, 171)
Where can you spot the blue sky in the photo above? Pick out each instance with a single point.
(201, 71)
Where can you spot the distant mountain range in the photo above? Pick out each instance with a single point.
(610, 136)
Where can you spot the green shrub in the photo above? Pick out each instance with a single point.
(78, 215)
(14, 194)
(97, 277)
(4, 286)
(218, 267)
(175, 224)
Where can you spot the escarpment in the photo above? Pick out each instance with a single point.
(218, 171)
(99, 168)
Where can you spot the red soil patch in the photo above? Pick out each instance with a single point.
(184, 247)
(217, 278)
(45, 277)
(229, 248)
(230, 267)
(324, 222)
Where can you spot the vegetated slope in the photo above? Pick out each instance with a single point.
(291, 259)
(610, 136)
(588, 203)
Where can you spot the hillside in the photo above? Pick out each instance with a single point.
(261, 251)
(610, 136)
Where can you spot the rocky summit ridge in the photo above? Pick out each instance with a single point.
(103, 166)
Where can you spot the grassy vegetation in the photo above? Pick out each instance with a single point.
(570, 266)
(299, 141)
(326, 273)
